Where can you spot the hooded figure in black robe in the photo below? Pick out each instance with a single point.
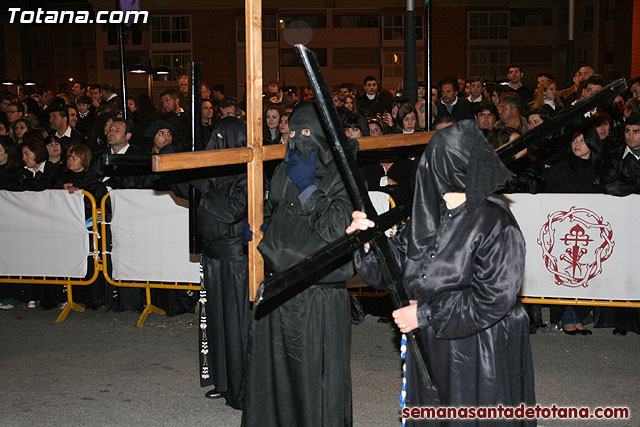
(298, 362)
(224, 296)
(464, 266)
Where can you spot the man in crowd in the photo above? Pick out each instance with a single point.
(72, 111)
(515, 76)
(226, 108)
(111, 98)
(170, 102)
(218, 93)
(450, 104)
(634, 88)
(205, 90)
(366, 101)
(14, 112)
(206, 124)
(485, 115)
(95, 93)
(161, 133)
(183, 89)
(510, 119)
(274, 90)
(475, 87)
(47, 97)
(59, 123)
(624, 176)
(77, 90)
(570, 94)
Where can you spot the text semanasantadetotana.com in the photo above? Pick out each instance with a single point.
(518, 412)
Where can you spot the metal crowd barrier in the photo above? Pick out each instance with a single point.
(100, 264)
(146, 285)
(68, 281)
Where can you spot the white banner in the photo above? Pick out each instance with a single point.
(150, 237)
(43, 233)
(579, 245)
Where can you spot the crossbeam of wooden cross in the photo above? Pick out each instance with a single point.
(254, 156)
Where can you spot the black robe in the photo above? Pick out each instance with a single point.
(298, 362)
(478, 337)
(464, 267)
(224, 296)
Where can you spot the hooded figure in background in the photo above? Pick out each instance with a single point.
(463, 265)
(298, 363)
(224, 295)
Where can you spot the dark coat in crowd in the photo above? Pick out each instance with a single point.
(401, 172)
(85, 124)
(365, 105)
(623, 177)
(461, 110)
(76, 138)
(573, 175)
(42, 180)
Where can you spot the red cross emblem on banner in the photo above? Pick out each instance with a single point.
(574, 245)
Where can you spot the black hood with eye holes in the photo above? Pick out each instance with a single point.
(306, 116)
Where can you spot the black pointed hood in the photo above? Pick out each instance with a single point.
(457, 159)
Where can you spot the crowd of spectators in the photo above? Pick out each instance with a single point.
(58, 140)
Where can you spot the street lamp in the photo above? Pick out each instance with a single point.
(142, 69)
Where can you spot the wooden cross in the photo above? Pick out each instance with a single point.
(255, 154)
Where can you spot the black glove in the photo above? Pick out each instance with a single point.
(300, 172)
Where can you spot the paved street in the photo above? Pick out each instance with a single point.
(98, 369)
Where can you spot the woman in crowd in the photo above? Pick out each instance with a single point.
(3, 129)
(350, 104)
(375, 127)
(283, 128)
(75, 177)
(547, 98)
(580, 172)
(98, 137)
(272, 116)
(38, 174)
(353, 127)
(496, 92)
(601, 122)
(19, 128)
(55, 154)
(406, 119)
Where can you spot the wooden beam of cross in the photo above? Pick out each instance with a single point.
(254, 156)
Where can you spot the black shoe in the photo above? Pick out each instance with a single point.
(619, 331)
(213, 394)
(574, 332)
(584, 331)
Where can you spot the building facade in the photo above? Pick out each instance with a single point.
(352, 39)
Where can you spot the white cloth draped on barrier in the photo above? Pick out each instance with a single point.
(150, 237)
(579, 245)
(43, 234)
